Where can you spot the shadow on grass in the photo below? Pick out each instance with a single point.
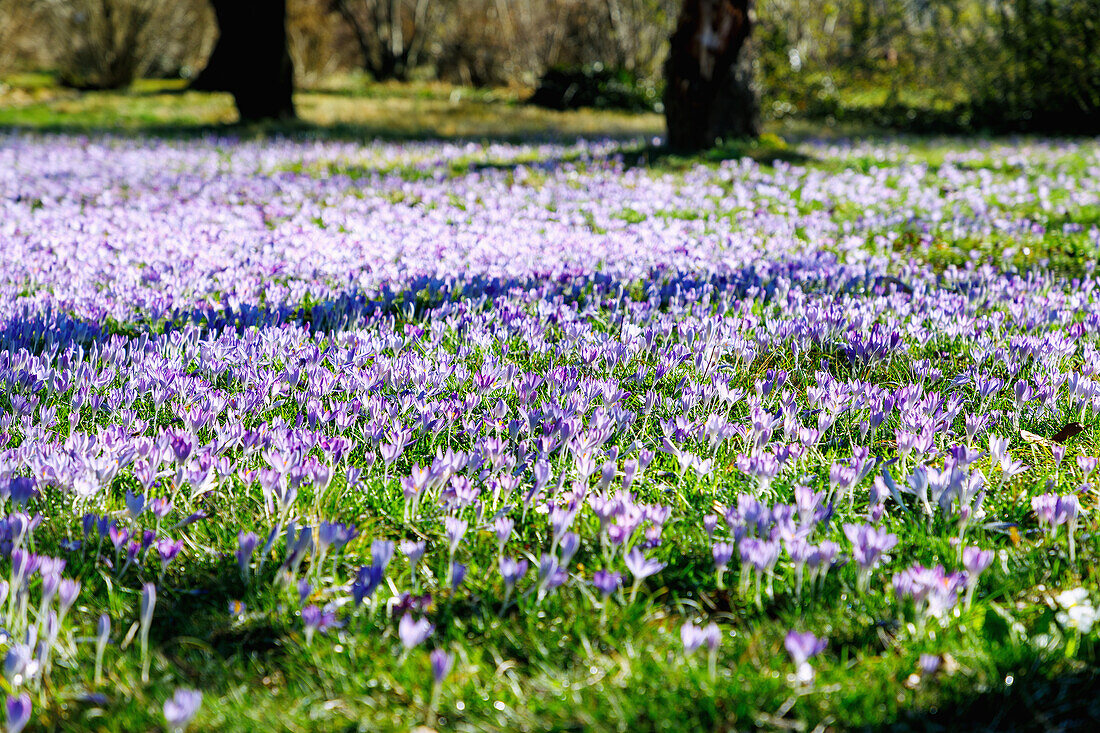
(1033, 702)
(765, 150)
(412, 301)
(200, 636)
(305, 131)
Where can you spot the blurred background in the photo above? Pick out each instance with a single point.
(911, 65)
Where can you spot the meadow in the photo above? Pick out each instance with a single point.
(324, 434)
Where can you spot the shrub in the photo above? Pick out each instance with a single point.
(109, 43)
(595, 86)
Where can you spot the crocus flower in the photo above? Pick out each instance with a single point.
(929, 664)
(723, 553)
(103, 635)
(316, 619)
(458, 574)
(21, 663)
(802, 646)
(135, 504)
(570, 541)
(19, 712)
(1077, 612)
(640, 566)
(181, 708)
(246, 545)
(148, 603)
(1087, 464)
(66, 595)
(512, 570)
(381, 552)
(607, 582)
(934, 591)
(413, 632)
(694, 636)
(168, 549)
(975, 560)
(502, 528)
(367, 580)
(413, 550)
(1054, 511)
(441, 665)
(161, 507)
(868, 545)
(455, 529)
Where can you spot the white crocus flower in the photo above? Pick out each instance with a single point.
(1078, 613)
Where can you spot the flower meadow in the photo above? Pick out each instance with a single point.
(369, 436)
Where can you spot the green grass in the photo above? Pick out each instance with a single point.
(341, 109)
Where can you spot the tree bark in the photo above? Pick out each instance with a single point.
(708, 94)
(251, 59)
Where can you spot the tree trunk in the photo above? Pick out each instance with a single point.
(251, 60)
(708, 95)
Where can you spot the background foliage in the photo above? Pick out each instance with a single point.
(923, 65)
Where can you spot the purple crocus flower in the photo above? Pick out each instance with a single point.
(316, 619)
(455, 529)
(1087, 464)
(381, 552)
(367, 580)
(50, 583)
(458, 574)
(802, 646)
(502, 528)
(181, 708)
(413, 632)
(570, 542)
(976, 560)
(934, 591)
(551, 573)
(161, 507)
(694, 636)
(710, 524)
(512, 570)
(868, 546)
(1054, 511)
(929, 664)
(66, 595)
(305, 590)
(441, 665)
(413, 550)
(19, 712)
(148, 603)
(723, 553)
(135, 504)
(168, 549)
(760, 554)
(22, 489)
(607, 582)
(869, 543)
(1066, 509)
(246, 545)
(640, 566)
(335, 534)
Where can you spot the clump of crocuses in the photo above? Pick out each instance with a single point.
(709, 636)
(1053, 511)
